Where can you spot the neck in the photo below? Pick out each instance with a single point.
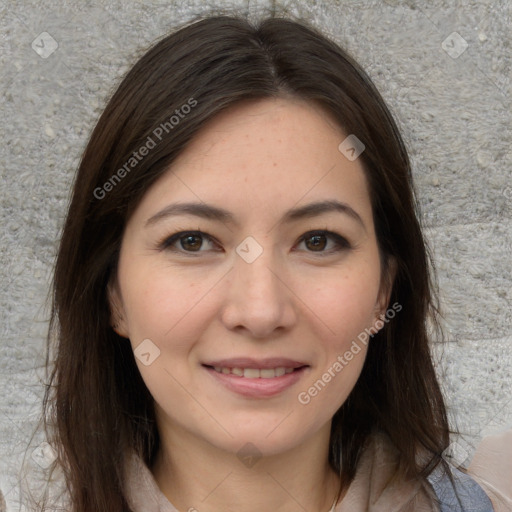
(198, 477)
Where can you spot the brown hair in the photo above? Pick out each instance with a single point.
(97, 405)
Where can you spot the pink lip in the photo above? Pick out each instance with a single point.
(247, 362)
(257, 388)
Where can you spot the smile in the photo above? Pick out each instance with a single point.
(256, 382)
(254, 373)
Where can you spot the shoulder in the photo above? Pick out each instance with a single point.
(460, 493)
(491, 467)
(451, 490)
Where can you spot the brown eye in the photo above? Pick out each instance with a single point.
(323, 243)
(191, 242)
(316, 242)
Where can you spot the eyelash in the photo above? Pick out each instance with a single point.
(167, 243)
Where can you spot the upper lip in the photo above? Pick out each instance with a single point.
(247, 362)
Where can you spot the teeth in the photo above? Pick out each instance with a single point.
(255, 373)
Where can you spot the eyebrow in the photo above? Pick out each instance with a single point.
(201, 210)
(215, 213)
(314, 209)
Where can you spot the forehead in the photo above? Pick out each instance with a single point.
(284, 131)
(267, 154)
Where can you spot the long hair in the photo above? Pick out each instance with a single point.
(97, 406)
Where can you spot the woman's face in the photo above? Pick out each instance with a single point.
(245, 275)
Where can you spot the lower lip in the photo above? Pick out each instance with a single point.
(257, 388)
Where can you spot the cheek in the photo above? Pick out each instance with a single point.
(159, 303)
(170, 311)
(343, 303)
(346, 307)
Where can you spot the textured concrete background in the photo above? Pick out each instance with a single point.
(444, 67)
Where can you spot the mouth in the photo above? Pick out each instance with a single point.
(255, 373)
(256, 379)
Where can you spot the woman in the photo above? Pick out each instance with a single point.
(242, 289)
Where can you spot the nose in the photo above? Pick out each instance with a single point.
(259, 299)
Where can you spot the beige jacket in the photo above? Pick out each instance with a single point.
(491, 468)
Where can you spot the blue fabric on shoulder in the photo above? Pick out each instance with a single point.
(472, 497)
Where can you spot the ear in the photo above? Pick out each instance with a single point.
(117, 314)
(386, 286)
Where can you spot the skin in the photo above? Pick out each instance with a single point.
(298, 300)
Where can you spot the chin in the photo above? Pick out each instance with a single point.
(261, 441)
